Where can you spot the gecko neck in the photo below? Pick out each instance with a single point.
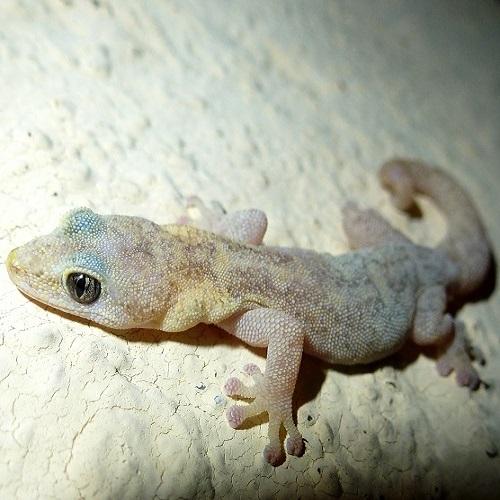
(205, 276)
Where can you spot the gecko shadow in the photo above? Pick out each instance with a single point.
(312, 373)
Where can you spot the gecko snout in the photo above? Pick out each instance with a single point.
(21, 263)
(12, 263)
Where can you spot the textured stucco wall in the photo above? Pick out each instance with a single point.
(290, 106)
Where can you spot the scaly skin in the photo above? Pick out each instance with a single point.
(127, 272)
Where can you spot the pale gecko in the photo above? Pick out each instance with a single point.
(127, 272)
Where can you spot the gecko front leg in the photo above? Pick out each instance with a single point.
(283, 335)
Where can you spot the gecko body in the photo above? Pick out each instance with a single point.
(128, 272)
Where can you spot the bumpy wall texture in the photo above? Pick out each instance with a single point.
(289, 106)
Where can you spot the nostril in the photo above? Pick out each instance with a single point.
(12, 262)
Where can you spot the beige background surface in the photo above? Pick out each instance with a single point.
(289, 106)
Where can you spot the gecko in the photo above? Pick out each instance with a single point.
(128, 272)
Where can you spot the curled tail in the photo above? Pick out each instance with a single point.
(466, 242)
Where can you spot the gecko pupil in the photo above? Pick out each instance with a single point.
(83, 288)
(80, 285)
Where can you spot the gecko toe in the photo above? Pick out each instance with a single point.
(193, 201)
(274, 455)
(468, 378)
(235, 415)
(444, 368)
(295, 446)
(465, 374)
(252, 369)
(183, 220)
(233, 386)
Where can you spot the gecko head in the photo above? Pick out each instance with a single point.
(102, 268)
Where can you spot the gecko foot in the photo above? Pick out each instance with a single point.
(457, 358)
(235, 387)
(280, 413)
(207, 217)
(465, 374)
(366, 227)
(243, 226)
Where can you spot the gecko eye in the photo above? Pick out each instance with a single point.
(83, 288)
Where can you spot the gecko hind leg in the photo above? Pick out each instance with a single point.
(244, 226)
(367, 228)
(457, 357)
(433, 326)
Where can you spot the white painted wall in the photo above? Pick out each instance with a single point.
(290, 106)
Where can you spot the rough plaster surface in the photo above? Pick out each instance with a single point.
(289, 106)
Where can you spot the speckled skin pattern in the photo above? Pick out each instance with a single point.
(352, 308)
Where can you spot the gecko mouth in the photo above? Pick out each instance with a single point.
(24, 282)
(17, 272)
(18, 275)
(13, 267)
(22, 278)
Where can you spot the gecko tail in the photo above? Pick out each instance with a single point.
(466, 242)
